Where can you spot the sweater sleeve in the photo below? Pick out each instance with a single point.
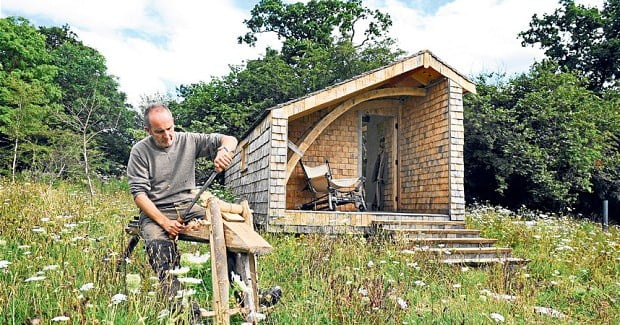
(138, 174)
(207, 144)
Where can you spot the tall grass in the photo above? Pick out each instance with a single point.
(55, 232)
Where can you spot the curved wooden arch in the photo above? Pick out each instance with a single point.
(311, 136)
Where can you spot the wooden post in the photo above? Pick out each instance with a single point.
(246, 213)
(219, 267)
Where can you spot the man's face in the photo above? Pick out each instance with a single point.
(162, 128)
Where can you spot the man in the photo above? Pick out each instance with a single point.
(161, 172)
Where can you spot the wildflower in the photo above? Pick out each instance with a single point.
(402, 303)
(38, 230)
(87, 286)
(60, 319)
(419, 283)
(237, 280)
(179, 271)
(370, 264)
(348, 282)
(45, 219)
(164, 313)
(4, 264)
(464, 269)
(35, 278)
(23, 246)
(196, 258)
(456, 285)
(27, 252)
(498, 296)
(190, 280)
(133, 282)
(185, 293)
(497, 317)
(382, 262)
(118, 298)
(362, 291)
(549, 311)
(50, 267)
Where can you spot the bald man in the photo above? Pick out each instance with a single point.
(161, 172)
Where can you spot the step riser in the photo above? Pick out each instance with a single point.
(421, 226)
(424, 236)
(454, 245)
(454, 256)
(379, 218)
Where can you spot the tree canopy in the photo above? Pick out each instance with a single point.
(318, 50)
(55, 94)
(581, 38)
(541, 139)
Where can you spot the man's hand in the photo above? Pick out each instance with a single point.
(172, 227)
(222, 160)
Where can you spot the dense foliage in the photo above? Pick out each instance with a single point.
(540, 139)
(61, 112)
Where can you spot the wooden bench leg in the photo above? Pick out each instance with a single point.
(219, 266)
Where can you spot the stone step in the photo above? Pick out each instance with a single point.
(467, 252)
(486, 261)
(418, 224)
(453, 242)
(435, 233)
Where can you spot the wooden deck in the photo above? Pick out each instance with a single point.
(337, 222)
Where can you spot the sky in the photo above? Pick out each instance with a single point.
(153, 46)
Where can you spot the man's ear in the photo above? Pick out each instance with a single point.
(147, 130)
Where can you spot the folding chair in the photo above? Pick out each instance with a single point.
(329, 192)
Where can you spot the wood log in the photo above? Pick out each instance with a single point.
(219, 265)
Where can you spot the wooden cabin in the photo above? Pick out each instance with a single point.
(410, 113)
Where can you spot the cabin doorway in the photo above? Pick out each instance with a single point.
(376, 162)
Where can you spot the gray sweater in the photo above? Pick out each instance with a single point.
(168, 175)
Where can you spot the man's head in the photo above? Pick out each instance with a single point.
(158, 122)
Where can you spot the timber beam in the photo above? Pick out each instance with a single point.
(322, 124)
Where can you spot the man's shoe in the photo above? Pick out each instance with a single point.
(269, 297)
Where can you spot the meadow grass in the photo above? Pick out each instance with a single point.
(60, 241)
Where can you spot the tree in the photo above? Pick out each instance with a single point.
(318, 50)
(541, 139)
(26, 83)
(315, 24)
(93, 105)
(581, 38)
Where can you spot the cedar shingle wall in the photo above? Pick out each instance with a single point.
(457, 140)
(425, 152)
(277, 164)
(252, 184)
(338, 143)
